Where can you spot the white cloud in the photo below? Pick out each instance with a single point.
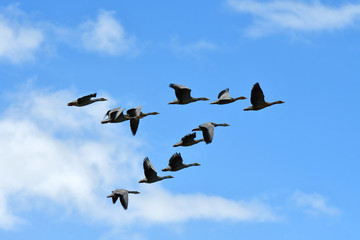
(192, 49)
(159, 205)
(23, 37)
(63, 156)
(20, 40)
(314, 203)
(106, 35)
(295, 15)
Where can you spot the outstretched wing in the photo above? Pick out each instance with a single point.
(189, 137)
(134, 112)
(224, 94)
(181, 91)
(134, 124)
(107, 114)
(115, 113)
(124, 199)
(149, 169)
(86, 98)
(175, 160)
(257, 95)
(208, 132)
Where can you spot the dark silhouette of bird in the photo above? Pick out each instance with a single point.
(224, 98)
(188, 140)
(150, 173)
(183, 95)
(123, 195)
(176, 163)
(85, 100)
(208, 130)
(258, 100)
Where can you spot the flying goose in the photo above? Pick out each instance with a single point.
(135, 114)
(85, 100)
(224, 98)
(258, 100)
(176, 163)
(123, 195)
(150, 173)
(183, 95)
(188, 140)
(208, 130)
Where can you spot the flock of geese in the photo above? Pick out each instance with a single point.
(183, 96)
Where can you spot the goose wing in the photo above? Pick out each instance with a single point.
(208, 132)
(124, 199)
(189, 138)
(86, 98)
(134, 112)
(257, 95)
(107, 114)
(181, 91)
(175, 160)
(134, 124)
(224, 94)
(115, 113)
(149, 169)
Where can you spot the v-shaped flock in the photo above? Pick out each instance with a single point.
(183, 96)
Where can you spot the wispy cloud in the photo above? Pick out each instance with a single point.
(106, 35)
(194, 49)
(23, 37)
(314, 203)
(64, 156)
(161, 206)
(20, 40)
(294, 15)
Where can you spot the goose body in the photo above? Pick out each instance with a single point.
(150, 173)
(208, 130)
(85, 100)
(183, 95)
(224, 98)
(123, 195)
(258, 99)
(176, 163)
(188, 140)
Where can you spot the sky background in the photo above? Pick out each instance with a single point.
(290, 171)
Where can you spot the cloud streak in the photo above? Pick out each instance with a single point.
(314, 204)
(192, 49)
(294, 15)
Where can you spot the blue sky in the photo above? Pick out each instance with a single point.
(286, 172)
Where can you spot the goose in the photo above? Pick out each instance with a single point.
(224, 98)
(188, 140)
(85, 100)
(123, 195)
(115, 115)
(208, 130)
(150, 173)
(135, 114)
(183, 95)
(258, 100)
(176, 163)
